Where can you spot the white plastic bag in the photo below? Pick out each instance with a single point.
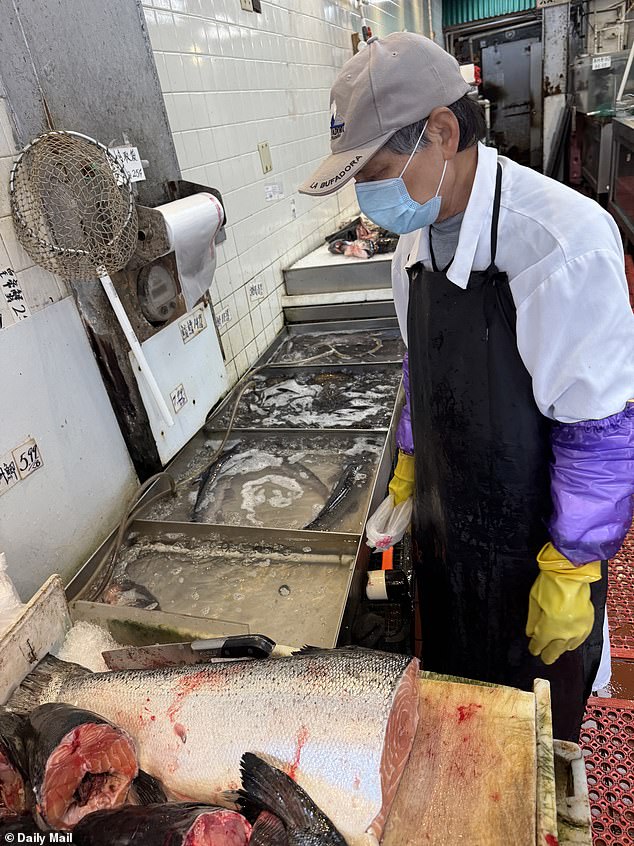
(388, 524)
(10, 604)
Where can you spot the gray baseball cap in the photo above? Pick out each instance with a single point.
(393, 82)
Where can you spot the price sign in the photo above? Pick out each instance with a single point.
(130, 160)
(27, 458)
(256, 291)
(179, 398)
(9, 475)
(192, 325)
(13, 296)
(224, 318)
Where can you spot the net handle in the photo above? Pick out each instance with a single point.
(135, 346)
(16, 213)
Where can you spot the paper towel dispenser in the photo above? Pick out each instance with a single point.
(164, 290)
(166, 275)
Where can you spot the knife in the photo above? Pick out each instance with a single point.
(196, 652)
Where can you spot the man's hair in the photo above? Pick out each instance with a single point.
(470, 117)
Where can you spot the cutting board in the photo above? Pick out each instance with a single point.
(473, 773)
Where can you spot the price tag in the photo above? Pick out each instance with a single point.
(192, 325)
(256, 291)
(224, 318)
(27, 458)
(179, 398)
(273, 192)
(130, 160)
(8, 473)
(601, 62)
(16, 305)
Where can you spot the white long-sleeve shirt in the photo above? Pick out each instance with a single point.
(564, 259)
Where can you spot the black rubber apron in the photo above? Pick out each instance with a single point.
(482, 452)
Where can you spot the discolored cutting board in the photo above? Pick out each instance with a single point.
(472, 774)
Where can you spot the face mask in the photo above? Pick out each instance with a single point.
(387, 202)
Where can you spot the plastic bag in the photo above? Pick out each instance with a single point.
(10, 604)
(388, 524)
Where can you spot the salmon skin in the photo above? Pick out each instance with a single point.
(14, 793)
(340, 722)
(273, 790)
(77, 763)
(174, 824)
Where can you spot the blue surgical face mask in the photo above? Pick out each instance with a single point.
(388, 203)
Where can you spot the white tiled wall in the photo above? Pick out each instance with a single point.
(232, 79)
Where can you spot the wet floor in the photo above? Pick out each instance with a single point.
(622, 683)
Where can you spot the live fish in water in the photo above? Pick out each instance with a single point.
(273, 790)
(209, 477)
(339, 493)
(174, 824)
(129, 594)
(340, 722)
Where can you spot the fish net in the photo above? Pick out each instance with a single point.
(72, 206)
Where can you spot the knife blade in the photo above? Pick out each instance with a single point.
(195, 652)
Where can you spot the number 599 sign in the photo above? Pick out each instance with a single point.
(27, 458)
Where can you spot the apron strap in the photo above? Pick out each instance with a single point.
(433, 257)
(494, 227)
(496, 215)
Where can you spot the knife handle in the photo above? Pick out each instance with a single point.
(238, 646)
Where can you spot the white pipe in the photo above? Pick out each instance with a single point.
(135, 346)
(626, 73)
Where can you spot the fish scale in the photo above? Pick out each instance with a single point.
(324, 716)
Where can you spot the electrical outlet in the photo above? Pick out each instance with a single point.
(265, 157)
(246, 5)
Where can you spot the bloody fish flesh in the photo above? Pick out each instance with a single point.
(14, 795)
(78, 763)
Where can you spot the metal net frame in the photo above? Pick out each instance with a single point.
(72, 205)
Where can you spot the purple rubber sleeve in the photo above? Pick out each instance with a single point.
(404, 437)
(592, 483)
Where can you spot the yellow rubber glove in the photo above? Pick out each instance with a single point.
(402, 485)
(560, 611)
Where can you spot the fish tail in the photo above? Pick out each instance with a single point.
(268, 831)
(273, 790)
(147, 790)
(43, 684)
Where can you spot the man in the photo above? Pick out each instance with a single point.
(511, 295)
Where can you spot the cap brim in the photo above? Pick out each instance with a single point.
(337, 170)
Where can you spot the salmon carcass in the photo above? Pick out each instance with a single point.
(77, 762)
(341, 723)
(168, 825)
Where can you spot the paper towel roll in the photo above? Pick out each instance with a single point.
(192, 225)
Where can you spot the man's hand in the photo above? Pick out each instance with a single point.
(560, 611)
(402, 484)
